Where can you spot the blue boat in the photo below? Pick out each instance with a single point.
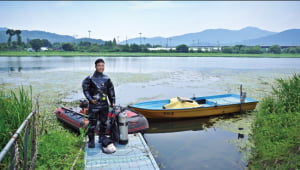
(180, 107)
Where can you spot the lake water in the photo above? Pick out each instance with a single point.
(202, 143)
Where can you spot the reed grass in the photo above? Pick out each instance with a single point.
(15, 107)
(276, 130)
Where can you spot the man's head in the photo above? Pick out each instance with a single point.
(99, 65)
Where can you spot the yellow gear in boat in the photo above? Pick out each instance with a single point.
(181, 102)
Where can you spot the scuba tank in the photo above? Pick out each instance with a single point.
(123, 128)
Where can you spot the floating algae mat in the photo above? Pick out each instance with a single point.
(240, 124)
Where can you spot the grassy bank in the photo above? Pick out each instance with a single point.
(58, 148)
(138, 54)
(276, 130)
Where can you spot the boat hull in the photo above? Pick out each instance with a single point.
(208, 109)
(136, 122)
(195, 112)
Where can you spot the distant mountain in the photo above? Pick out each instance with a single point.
(289, 38)
(52, 37)
(213, 37)
(206, 37)
(3, 29)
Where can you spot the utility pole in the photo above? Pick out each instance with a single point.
(140, 38)
(89, 33)
(167, 43)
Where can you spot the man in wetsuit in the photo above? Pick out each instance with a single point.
(96, 88)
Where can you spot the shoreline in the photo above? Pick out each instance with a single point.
(139, 54)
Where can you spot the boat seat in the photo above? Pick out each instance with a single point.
(181, 102)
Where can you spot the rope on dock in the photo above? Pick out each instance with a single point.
(78, 154)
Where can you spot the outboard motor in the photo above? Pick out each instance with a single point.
(84, 105)
(123, 127)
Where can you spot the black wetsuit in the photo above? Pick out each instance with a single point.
(98, 87)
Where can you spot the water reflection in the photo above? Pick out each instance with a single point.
(197, 143)
(20, 69)
(178, 125)
(150, 64)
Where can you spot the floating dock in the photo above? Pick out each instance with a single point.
(135, 155)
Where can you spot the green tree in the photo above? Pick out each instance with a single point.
(10, 33)
(135, 48)
(227, 50)
(84, 44)
(108, 44)
(298, 49)
(125, 48)
(68, 47)
(291, 50)
(114, 42)
(56, 46)
(19, 38)
(276, 49)
(253, 50)
(94, 48)
(36, 44)
(182, 48)
(3, 47)
(46, 43)
(238, 48)
(148, 45)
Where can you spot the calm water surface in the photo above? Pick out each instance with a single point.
(202, 143)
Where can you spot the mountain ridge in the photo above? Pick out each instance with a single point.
(52, 37)
(209, 37)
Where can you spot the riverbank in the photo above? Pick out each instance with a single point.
(276, 132)
(138, 54)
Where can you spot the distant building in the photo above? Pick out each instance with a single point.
(161, 48)
(30, 50)
(44, 49)
(41, 49)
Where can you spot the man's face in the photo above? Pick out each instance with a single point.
(100, 67)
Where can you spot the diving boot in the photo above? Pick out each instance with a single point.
(101, 135)
(91, 143)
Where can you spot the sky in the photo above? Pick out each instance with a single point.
(126, 19)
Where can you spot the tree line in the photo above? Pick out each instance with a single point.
(112, 46)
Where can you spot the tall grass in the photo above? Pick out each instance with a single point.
(276, 130)
(15, 106)
(58, 149)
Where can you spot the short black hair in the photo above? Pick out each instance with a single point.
(99, 60)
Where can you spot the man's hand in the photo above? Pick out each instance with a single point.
(94, 101)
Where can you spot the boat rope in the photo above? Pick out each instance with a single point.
(78, 154)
